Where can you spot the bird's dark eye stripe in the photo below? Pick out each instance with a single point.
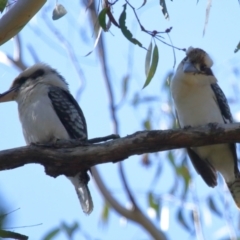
(206, 70)
(36, 74)
(20, 80)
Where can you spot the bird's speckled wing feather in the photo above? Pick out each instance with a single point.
(227, 117)
(69, 113)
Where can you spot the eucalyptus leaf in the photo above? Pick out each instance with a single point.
(3, 4)
(125, 31)
(153, 67)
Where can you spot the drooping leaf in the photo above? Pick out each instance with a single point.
(157, 174)
(213, 207)
(182, 220)
(102, 18)
(237, 48)
(145, 160)
(52, 234)
(105, 213)
(136, 100)
(58, 12)
(3, 4)
(153, 67)
(164, 9)
(144, 2)
(125, 82)
(184, 173)
(171, 158)
(148, 58)
(154, 203)
(147, 124)
(209, 5)
(125, 31)
(96, 41)
(70, 229)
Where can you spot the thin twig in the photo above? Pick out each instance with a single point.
(68, 47)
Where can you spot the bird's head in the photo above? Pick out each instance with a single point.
(196, 67)
(197, 61)
(31, 78)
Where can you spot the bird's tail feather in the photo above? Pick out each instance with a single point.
(80, 183)
(234, 188)
(85, 198)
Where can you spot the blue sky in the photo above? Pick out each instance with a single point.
(49, 201)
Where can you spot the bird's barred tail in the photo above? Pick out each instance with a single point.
(80, 182)
(234, 188)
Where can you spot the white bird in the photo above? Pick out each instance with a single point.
(48, 113)
(199, 100)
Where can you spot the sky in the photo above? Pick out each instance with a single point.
(48, 201)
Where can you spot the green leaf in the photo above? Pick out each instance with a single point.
(171, 158)
(237, 48)
(153, 203)
(53, 233)
(184, 173)
(102, 19)
(164, 9)
(125, 31)
(3, 4)
(105, 213)
(148, 58)
(147, 125)
(153, 67)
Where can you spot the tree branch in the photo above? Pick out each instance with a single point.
(68, 160)
(17, 17)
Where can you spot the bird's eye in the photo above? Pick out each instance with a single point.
(203, 67)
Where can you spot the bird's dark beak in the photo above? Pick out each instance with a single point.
(8, 95)
(188, 67)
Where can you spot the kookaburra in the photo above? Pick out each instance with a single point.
(199, 100)
(48, 113)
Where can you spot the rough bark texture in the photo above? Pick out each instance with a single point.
(69, 158)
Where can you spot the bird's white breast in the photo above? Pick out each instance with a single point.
(40, 122)
(195, 102)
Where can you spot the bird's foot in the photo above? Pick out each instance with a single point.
(213, 126)
(103, 139)
(187, 127)
(37, 144)
(69, 143)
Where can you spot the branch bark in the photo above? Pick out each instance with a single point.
(68, 160)
(17, 17)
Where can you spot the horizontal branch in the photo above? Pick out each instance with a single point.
(68, 160)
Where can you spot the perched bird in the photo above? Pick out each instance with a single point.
(199, 100)
(48, 113)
